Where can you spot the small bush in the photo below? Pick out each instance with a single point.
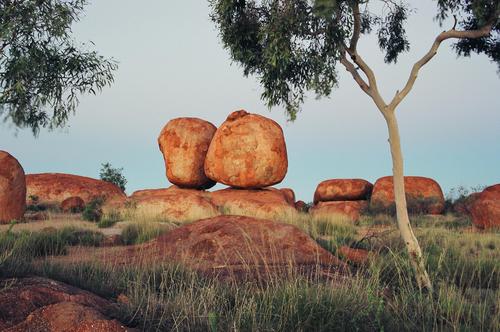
(113, 175)
(109, 220)
(93, 211)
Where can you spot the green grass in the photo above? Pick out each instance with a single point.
(381, 296)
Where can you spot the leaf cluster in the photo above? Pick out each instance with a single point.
(42, 70)
(114, 175)
(294, 46)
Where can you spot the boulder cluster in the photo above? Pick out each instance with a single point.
(247, 153)
(348, 197)
(351, 197)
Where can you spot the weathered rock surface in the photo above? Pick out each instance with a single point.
(68, 317)
(422, 194)
(247, 151)
(262, 203)
(12, 189)
(54, 188)
(349, 209)
(39, 304)
(242, 247)
(184, 143)
(342, 190)
(173, 204)
(485, 209)
(289, 195)
(72, 204)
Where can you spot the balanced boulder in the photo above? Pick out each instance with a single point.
(247, 151)
(266, 203)
(172, 204)
(422, 194)
(54, 188)
(184, 144)
(342, 190)
(347, 209)
(485, 208)
(12, 189)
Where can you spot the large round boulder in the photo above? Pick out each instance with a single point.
(266, 203)
(423, 195)
(172, 204)
(184, 144)
(346, 209)
(247, 151)
(54, 188)
(342, 190)
(12, 189)
(238, 246)
(485, 208)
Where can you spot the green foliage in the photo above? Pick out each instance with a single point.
(114, 175)
(42, 71)
(93, 211)
(294, 46)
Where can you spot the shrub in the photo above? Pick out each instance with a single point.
(109, 219)
(93, 211)
(113, 175)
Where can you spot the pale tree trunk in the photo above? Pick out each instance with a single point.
(388, 111)
(404, 225)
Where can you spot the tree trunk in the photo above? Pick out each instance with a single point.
(411, 242)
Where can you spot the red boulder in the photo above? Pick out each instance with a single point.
(422, 194)
(12, 189)
(485, 209)
(342, 190)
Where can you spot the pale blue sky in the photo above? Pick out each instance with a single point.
(172, 64)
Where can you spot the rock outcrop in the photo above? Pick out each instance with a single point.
(39, 304)
(12, 189)
(423, 195)
(342, 190)
(242, 247)
(266, 203)
(485, 208)
(348, 209)
(54, 188)
(184, 143)
(247, 151)
(173, 204)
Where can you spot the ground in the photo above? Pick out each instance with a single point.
(379, 294)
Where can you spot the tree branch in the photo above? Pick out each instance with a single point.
(452, 33)
(357, 27)
(350, 68)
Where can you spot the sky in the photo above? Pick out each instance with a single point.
(172, 64)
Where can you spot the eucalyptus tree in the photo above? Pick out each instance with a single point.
(295, 46)
(42, 70)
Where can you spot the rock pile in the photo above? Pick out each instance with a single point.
(247, 153)
(346, 197)
(12, 189)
